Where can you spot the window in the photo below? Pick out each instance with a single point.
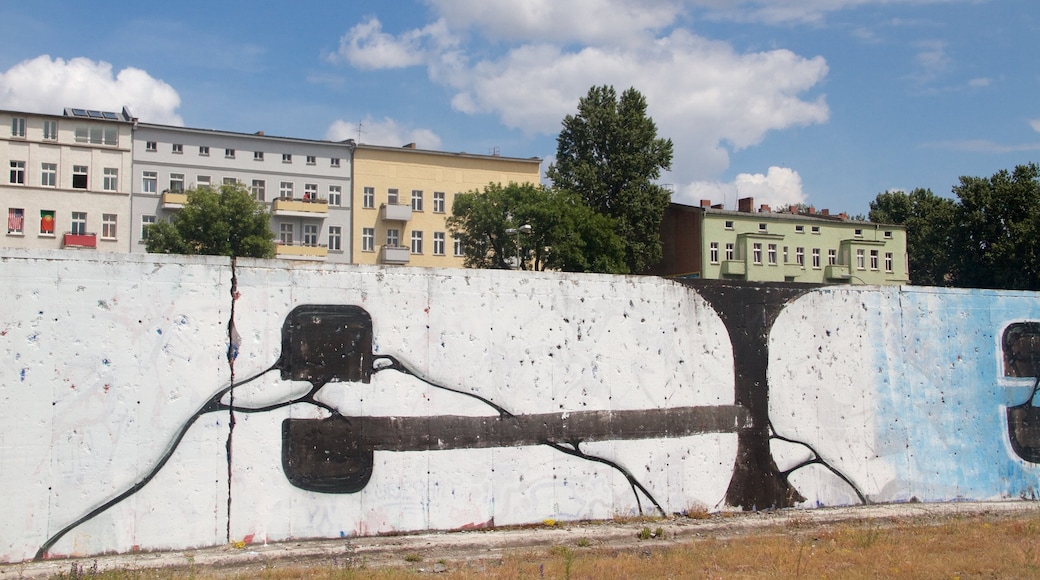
(310, 235)
(888, 261)
(202, 182)
(285, 234)
(311, 160)
(799, 256)
(368, 239)
(457, 247)
(860, 260)
(785, 254)
(335, 238)
(49, 174)
(204, 150)
(111, 179)
(334, 162)
(816, 229)
(310, 191)
(756, 253)
(97, 135)
(18, 172)
(873, 259)
(258, 155)
(416, 241)
(286, 157)
(151, 146)
(108, 226)
(714, 252)
(438, 243)
(149, 181)
(832, 257)
(18, 127)
(229, 153)
(46, 222)
(178, 148)
(393, 237)
(771, 254)
(858, 233)
(146, 220)
(729, 224)
(259, 189)
(762, 227)
(368, 198)
(416, 200)
(438, 202)
(335, 195)
(15, 220)
(79, 176)
(816, 258)
(79, 223)
(729, 251)
(229, 181)
(50, 130)
(888, 234)
(285, 189)
(799, 229)
(391, 197)
(176, 183)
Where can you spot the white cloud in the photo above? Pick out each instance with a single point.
(386, 132)
(43, 85)
(790, 11)
(1035, 124)
(780, 186)
(366, 46)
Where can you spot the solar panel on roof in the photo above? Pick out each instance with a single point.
(95, 114)
(109, 115)
(79, 112)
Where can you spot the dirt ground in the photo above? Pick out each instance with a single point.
(461, 547)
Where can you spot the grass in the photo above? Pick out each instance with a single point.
(1000, 546)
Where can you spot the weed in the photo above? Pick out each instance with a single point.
(644, 534)
(584, 542)
(549, 523)
(697, 511)
(659, 533)
(413, 558)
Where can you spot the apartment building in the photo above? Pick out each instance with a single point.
(791, 246)
(305, 183)
(404, 196)
(68, 180)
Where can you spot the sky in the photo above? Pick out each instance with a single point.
(821, 102)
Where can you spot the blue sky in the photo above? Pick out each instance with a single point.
(826, 102)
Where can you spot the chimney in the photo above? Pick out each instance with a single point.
(705, 203)
(764, 208)
(409, 146)
(844, 216)
(260, 133)
(810, 210)
(825, 212)
(745, 204)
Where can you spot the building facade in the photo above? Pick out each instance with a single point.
(766, 246)
(404, 195)
(68, 179)
(306, 184)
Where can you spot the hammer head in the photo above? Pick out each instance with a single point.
(324, 343)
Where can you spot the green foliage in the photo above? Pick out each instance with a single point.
(224, 222)
(929, 221)
(609, 154)
(565, 234)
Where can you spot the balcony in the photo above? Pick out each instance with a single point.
(287, 206)
(301, 251)
(396, 212)
(394, 254)
(836, 272)
(734, 268)
(174, 200)
(70, 240)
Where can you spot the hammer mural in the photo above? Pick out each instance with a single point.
(416, 399)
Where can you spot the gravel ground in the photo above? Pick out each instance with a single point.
(471, 546)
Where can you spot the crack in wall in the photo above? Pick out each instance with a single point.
(234, 342)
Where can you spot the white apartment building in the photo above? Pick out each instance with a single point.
(306, 183)
(68, 180)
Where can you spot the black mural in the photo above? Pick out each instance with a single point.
(1021, 347)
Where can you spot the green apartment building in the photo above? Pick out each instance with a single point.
(765, 246)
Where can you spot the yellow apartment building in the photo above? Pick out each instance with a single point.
(403, 197)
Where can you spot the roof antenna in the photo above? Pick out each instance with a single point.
(359, 126)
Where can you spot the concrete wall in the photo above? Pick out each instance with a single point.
(372, 400)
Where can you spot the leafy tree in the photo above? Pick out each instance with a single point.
(565, 234)
(609, 154)
(998, 230)
(223, 222)
(929, 226)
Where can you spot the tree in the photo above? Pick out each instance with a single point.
(224, 222)
(929, 226)
(998, 230)
(564, 235)
(609, 155)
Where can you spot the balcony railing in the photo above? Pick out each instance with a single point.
(734, 268)
(71, 240)
(288, 206)
(301, 251)
(836, 272)
(394, 255)
(396, 212)
(174, 200)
